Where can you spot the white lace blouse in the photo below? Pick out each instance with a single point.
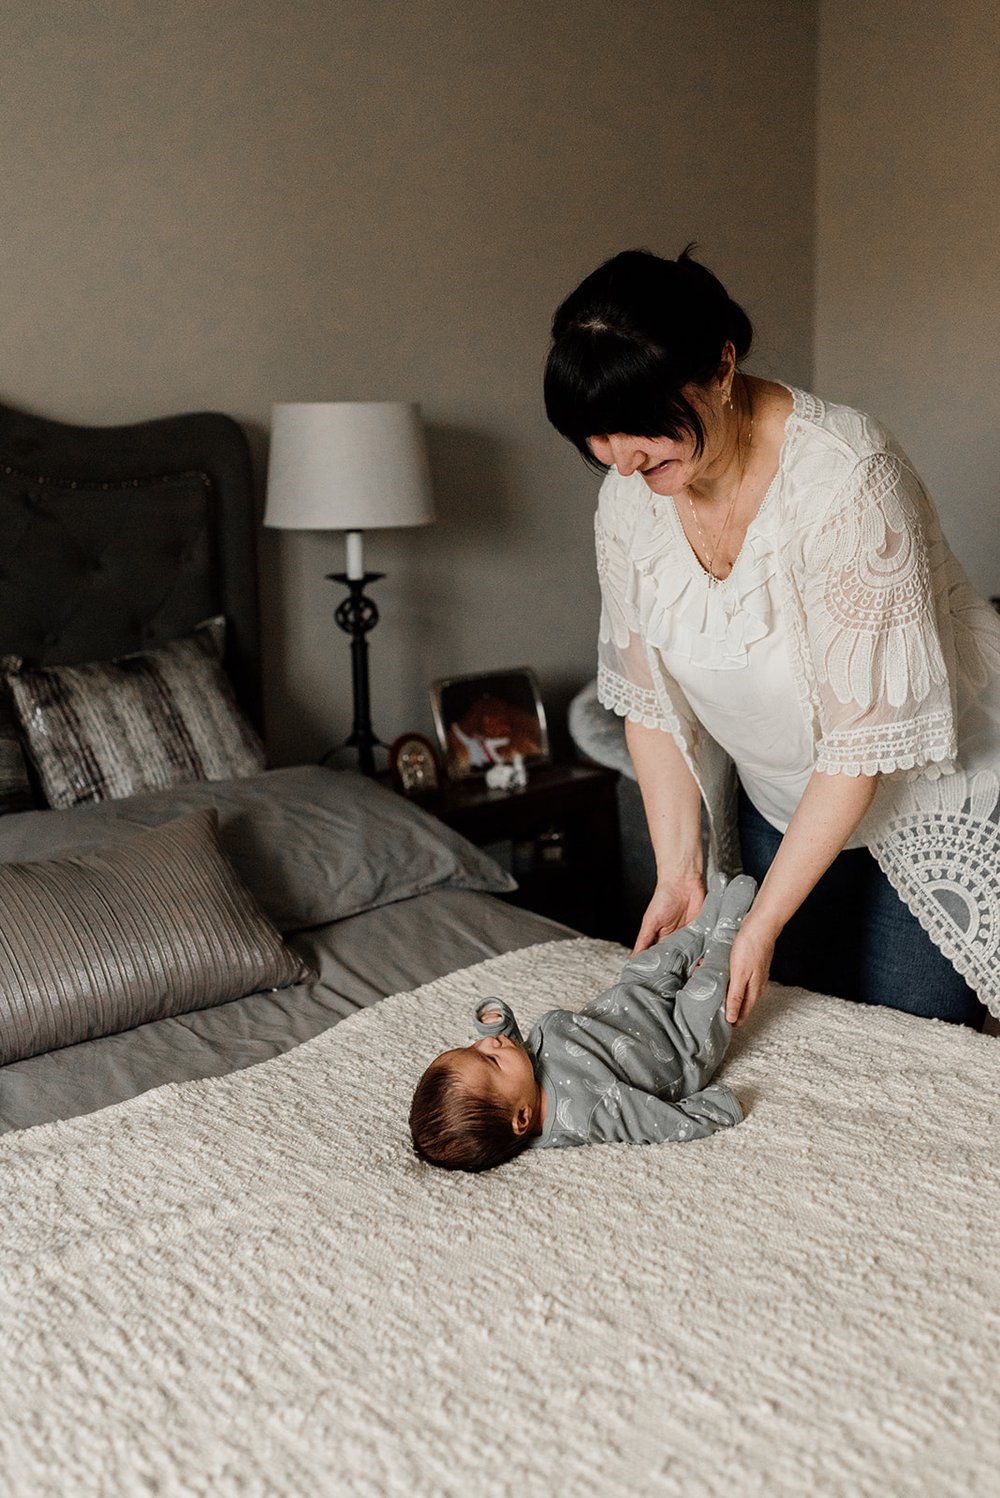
(882, 659)
(727, 648)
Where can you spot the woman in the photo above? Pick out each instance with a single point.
(778, 598)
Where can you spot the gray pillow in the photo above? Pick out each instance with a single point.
(313, 845)
(108, 940)
(152, 719)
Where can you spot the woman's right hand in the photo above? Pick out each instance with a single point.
(675, 903)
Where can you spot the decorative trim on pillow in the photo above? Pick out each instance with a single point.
(15, 787)
(143, 722)
(108, 940)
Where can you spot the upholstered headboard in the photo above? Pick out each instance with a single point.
(114, 539)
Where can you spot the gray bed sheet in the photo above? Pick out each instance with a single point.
(360, 960)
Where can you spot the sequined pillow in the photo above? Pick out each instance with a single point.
(144, 722)
(15, 787)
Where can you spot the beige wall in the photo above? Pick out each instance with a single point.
(222, 205)
(908, 244)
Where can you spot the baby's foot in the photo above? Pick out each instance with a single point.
(707, 916)
(736, 901)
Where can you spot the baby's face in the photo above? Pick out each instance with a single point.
(496, 1065)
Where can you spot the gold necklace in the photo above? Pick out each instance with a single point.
(713, 580)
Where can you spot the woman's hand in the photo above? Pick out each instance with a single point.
(749, 967)
(674, 904)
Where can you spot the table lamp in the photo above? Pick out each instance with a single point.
(350, 466)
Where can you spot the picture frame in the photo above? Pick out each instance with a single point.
(414, 765)
(486, 718)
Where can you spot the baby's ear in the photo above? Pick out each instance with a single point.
(521, 1122)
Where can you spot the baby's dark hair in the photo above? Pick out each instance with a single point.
(457, 1130)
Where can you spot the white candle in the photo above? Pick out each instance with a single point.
(355, 554)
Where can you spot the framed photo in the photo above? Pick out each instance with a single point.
(414, 765)
(487, 718)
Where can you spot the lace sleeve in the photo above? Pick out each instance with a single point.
(885, 700)
(624, 680)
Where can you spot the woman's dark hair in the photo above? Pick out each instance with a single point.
(629, 338)
(453, 1128)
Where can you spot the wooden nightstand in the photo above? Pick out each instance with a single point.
(563, 831)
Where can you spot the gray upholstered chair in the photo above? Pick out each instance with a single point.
(599, 735)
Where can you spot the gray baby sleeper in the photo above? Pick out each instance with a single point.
(632, 1065)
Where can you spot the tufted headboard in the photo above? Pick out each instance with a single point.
(114, 539)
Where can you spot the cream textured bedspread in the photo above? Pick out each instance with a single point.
(248, 1285)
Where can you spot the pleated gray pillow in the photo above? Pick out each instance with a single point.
(144, 722)
(108, 940)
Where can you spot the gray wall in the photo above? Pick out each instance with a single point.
(907, 257)
(229, 204)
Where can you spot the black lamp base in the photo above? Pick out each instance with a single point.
(357, 615)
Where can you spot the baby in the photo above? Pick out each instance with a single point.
(631, 1066)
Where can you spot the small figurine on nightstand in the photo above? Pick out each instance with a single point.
(512, 777)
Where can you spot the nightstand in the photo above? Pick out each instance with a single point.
(563, 834)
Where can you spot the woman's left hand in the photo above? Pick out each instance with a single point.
(749, 966)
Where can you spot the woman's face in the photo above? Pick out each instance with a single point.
(667, 465)
(670, 464)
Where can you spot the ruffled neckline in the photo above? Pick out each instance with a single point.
(712, 626)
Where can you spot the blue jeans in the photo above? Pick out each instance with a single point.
(854, 937)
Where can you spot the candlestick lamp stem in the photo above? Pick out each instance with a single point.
(355, 555)
(357, 615)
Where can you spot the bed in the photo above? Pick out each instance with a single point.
(226, 1273)
(118, 540)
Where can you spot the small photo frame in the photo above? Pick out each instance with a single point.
(487, 718)
(414, 765)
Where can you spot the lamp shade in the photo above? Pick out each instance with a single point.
(347, 465)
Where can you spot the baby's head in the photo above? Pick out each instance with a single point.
(476, 1107)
